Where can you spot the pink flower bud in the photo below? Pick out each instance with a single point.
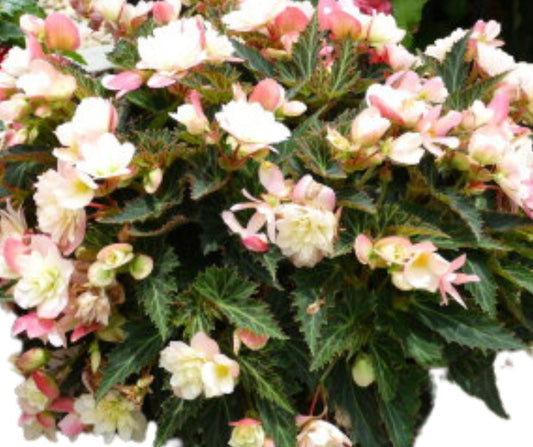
(312, 193)
(71, 425)
(257, 243)
(46, 419)
(363, 248)
(369, 126)
(164, 12)
(61, 33)
(124, 82)
(269, 94)
(45, 384)
(62, 405)
(250, 339)
(141, 266)
(33, 359)
(290, 20)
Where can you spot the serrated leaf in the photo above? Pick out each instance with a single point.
(466, 327)
(505, 221)
(141, 346)
(400, 414)
(310, 324)
(517, 274)
(358, 200)
(454, 69)
(157, 291)
(233, 296)
(408, 13)
(140, 209)
(474, 373)
(464, 98)
(173, 417)
(279, 425)
(254, 59)
(484, 291)
(465, 209)
(205, 174)
(257, 374)
(124, 54)
(427, 353)
(360, 404)
(344, 70)
(385, 355)
(9, 32)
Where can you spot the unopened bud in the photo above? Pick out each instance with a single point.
(61, 33)
(363, 371)
(115, 255)
(152, 180)
(33, 359)
(99, 275)
(45, 384)
(141, 266)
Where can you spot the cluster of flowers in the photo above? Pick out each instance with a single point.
(62, 287)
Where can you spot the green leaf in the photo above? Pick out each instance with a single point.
(358, 200)
(279, 424)
(124, 54)
(344, 70)
(157, 292)
(517, 274)
(9, 32)
(304, 56)
(360, 404)
(474, 373)
(465, 209)
(466, 327)
(454, 69)
(233, 296)
(16, 7)
(400, 414)
(310, 324)
(427, 353)
(464, 98)
(140, 209)
(254, 59)
(139, 349)
(408, 13)
(173, 417)
(386, 356)
(484, 291)
(258, 375)
(505, 221)
(205, 174)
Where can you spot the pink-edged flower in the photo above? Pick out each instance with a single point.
(311, 193)
(400, 106)
(71, 426)
(253, 15)
(369, 6)
(61, 33)
(44, 277)
(247, 433)
(43, 80)
(181, 45)
(319, 433)
(113, 414)
(250, 237)
(368, 127)
(35, 426)
(164, 12)
(492, 60)
(406, 149)
(250, 126)
(124, 82)
(60, 198)
(434, 129)
(340, 19)
(47, 330)
(192, 115)
(488, 144)
(271, 95)
(12, 227)
(397, 57)
(249, 339)
(450, 277)
(199, 368)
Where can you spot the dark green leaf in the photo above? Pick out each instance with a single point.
(254, 59)
(360, 404)
(517, 274)
(310, 324)
(139, 349)
(173, 417)
(386, 355)
(474, 373)
(408, 13)
(124, 54)
(484, 291)
(465, 209)
(344, 70)
(279, 424)
(466, 327)
(358, 200)
(454, 69)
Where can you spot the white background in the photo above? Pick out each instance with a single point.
(456, 421)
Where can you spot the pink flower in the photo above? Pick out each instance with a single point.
(124, 82)
(61, 33)
(449, 278)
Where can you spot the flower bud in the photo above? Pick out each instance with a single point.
(250, 339)
(315, 194)
(293, 108)
(115, 255)
(269, 94)
(141, 266)
(31, 24)
(338, 141)
(363, 373)
(109, 9)
(33, 359)
(152, 180)
(45, 384)
(61, 33)
(247, 433)
(100, 275)
(368, 127)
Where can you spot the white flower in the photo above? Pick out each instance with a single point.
(247, 433)
(106, 157)
(425, 270)
(93, 117)
(45, 278)
(253, 15)
(441, 47)
(199, 368)
(305, 234)
(30, 398)
(406, 149)
(93, 308)
(60, 198)
(494, 61)
(113, 414)
(44, 81)
(384, 30)
(188, 115)
(318, 433)
(15, 64)
(173, 48)
(395, 104)
(218, 47)
(251, 125)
